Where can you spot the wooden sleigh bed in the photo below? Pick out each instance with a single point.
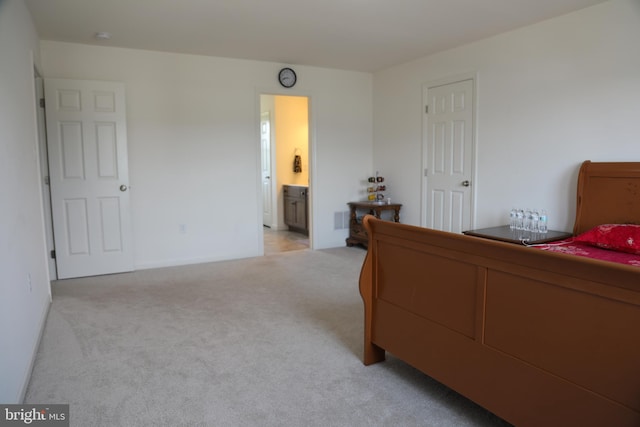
(539, 338)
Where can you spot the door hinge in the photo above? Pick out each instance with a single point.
(53, 254)
(41, 102)
(46, 180)
(426, 109)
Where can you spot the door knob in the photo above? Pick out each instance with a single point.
(123, 187)
(466, 183)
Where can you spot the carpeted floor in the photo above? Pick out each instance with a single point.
(268, 341)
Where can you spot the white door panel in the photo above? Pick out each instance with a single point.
(87, 140)
(448, 148)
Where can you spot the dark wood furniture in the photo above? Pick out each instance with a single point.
(505, 234)
(539, 338)
(296, 214)
(357, 233)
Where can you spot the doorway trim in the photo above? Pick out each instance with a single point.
(311, 161)
(43, 155)
(473, 76)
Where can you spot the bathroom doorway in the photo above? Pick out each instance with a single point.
(285, 162)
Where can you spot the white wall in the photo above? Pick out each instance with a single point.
(24, 276)
(193, 128)
(549, 96)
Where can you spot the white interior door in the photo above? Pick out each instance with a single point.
(449, 151)
(87, 143)
(265, 153)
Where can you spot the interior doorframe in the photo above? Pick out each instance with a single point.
(43, 155)
(312, 160)
(473, 76)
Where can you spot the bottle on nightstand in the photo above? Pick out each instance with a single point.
(542, 222)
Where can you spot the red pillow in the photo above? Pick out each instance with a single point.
(617, 237)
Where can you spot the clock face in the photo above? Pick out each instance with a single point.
(287, 77)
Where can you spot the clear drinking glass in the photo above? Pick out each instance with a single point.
(520, 219)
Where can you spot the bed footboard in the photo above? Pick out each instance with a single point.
(538, 338)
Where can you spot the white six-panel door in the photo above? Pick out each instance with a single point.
(449, 157)
(87, 144)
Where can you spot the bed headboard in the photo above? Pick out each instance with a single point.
(608, 193)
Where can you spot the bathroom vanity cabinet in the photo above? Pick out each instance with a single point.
(296, 211)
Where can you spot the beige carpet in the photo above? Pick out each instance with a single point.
(270, 341)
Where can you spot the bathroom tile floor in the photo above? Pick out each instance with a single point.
(276, 241)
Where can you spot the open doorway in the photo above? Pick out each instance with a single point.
(284, 147)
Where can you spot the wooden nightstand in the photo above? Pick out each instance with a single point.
(357, 233)
(521, 237)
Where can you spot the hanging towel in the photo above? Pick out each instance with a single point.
(297, 164)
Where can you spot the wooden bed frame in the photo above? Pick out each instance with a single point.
(538, 338)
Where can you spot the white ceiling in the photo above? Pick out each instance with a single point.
(363, 35)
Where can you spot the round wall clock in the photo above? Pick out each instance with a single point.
(287, 77)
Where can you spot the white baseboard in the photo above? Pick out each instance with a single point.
(34, 353)
(189, 261)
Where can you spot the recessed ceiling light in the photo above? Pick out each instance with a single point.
(102, 35)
